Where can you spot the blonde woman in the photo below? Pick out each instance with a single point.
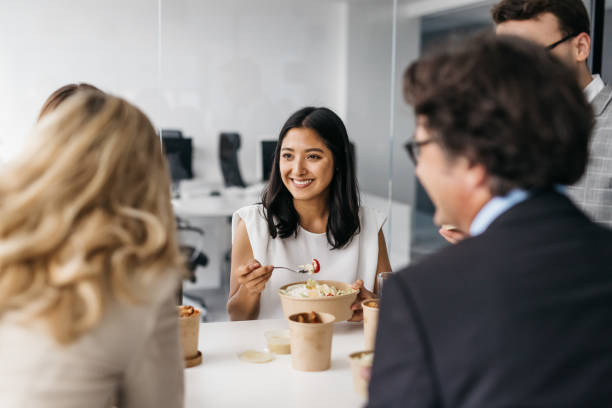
(89, 264)
(62, 93)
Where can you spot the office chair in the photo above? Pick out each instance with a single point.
(268, 147)
(194, 256)
(179, 153)
(229, 144)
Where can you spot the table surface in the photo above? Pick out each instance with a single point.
(222, 380)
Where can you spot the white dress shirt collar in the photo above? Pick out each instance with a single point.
(494, 208)
(593, 88)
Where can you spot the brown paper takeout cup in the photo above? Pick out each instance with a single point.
(358, 365)
(370, 321)
(189, 327)
(311, 343)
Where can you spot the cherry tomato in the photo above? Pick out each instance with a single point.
(317, 265)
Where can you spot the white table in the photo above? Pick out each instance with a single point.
(222, 380)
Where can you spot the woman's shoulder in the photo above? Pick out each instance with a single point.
(254, 219)
(371, 218)
(251, 212)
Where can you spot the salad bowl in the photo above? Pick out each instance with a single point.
(324, 296)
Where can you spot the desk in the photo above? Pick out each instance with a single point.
(200, 203)
(224, 381)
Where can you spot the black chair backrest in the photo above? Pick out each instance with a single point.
(267, 158)
(179, 153)
(229, 143)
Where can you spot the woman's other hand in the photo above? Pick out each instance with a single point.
(363, 294)
(452, 235)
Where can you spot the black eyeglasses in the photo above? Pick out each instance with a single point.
(567, 37)
(413, 147)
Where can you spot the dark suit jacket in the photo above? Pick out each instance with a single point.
(520, 316)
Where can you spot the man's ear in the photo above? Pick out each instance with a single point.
(477, 176)
(582, 47)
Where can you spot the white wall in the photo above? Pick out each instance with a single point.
(44, 45)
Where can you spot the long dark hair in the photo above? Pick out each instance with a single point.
(343, 220)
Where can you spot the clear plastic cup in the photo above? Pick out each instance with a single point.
(279, 341)
(381, 279)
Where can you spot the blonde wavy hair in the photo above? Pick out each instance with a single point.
(86, 216)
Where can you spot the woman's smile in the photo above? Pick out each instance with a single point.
(301, 183)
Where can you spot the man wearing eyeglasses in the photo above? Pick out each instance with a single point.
(519, 314)
(563, 27)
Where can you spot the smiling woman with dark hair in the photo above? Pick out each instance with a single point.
(310, 209)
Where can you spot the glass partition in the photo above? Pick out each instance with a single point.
(423, 28)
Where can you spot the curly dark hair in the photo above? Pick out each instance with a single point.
(507, 104)
(343, 220)
(572, 15)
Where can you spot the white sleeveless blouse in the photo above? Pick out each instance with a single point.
(358, 260)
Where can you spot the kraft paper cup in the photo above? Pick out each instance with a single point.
(370, 321)
(361, 361)
(311, 343)
(189, 327)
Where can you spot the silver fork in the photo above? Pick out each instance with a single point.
(299, 271)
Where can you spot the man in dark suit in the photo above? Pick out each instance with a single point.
(520, 313)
